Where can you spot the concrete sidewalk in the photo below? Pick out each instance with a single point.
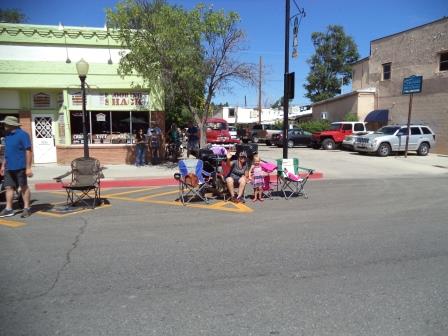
(329, 164)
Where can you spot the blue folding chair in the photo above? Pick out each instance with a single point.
(192, 180)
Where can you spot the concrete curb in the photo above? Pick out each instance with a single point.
(129, 183)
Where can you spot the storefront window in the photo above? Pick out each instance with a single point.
(76, 126)
(109, 127)
(101, 127)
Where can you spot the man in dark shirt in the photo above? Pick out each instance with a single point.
(16, 166)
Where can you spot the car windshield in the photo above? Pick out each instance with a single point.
(388, 130)
(217, 125)
(335, 127)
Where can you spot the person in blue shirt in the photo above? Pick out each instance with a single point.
(16, 166)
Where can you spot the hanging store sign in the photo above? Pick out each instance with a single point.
(111, 100)
(100, 117)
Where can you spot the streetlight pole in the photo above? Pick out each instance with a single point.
(285, 82)
(83, 68)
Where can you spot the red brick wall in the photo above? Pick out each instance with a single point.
(113, 154)
(116, 154)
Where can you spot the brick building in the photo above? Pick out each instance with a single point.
(422, 50)
(39, 84)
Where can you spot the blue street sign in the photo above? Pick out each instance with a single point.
(412, 84)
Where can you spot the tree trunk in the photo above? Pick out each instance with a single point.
(203, 138)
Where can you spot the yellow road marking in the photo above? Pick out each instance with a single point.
(220, 206)
(129, 192)
(71, 213)
(11, 224)
(159, 194)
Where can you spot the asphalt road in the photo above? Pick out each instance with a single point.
(359, 257)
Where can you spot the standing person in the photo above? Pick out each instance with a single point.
(193, 139)
(155, 139)
(256, 175)
(237, 176)
(16, 166)
(140, 148)
(174, 140)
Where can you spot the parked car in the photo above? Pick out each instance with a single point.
(233, 132)
(264, 133)
(349, 140)
(333, 137)
(296, 137)
(392, 138)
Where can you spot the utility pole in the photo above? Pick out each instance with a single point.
(259, 90)
(285, 82)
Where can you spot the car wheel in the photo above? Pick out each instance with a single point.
(290, 144)
(423, 149)
(383, 149)
(328, 144)
(268, 143)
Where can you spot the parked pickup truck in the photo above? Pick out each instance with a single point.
(264, 133)
(333, 137)
(218, 132)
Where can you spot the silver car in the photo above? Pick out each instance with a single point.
(393, 139)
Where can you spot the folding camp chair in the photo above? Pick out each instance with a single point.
(268, 185)
(291, 178)
(85, 186)
(189, 187)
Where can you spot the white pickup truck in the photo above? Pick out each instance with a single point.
(264, 133)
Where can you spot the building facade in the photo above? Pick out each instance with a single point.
(39, 84)
(241, 115)
(423, 51)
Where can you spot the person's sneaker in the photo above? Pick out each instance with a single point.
(26, 213)
(7, 213)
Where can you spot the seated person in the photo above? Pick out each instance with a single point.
(237, 176)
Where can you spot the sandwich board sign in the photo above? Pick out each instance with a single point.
(412, 84)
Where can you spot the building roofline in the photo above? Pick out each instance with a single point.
(410, 29)
(345, 95)
(361, 60)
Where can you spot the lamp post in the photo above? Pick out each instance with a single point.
(83, 68)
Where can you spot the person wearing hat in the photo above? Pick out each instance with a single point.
(237, 176)
(16, 165)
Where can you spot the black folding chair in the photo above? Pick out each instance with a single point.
(85, 186)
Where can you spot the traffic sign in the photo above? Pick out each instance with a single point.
(412, 84)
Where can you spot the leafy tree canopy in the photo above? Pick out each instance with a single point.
(330, 66)
(189, 52)
(12, 16)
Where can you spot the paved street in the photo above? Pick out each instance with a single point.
(359, 257)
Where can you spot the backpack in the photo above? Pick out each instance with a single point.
(192, 180)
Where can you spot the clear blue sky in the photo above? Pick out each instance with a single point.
(264, 22)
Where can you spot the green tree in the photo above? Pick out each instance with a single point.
(12, 16)
(189, 52)
(278, 103)
(330, 66)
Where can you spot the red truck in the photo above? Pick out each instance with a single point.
(333, 137)
(218, 132)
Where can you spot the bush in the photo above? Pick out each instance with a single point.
(315, 125)
(350, 117)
